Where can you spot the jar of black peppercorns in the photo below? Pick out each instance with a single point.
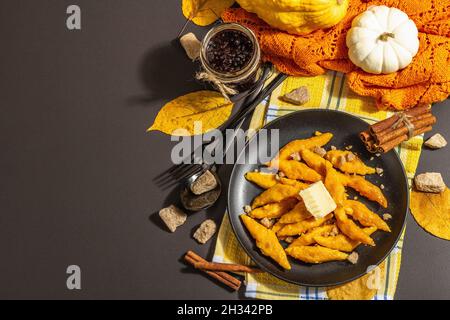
(230, 53)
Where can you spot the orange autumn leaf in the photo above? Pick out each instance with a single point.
(194, 113)
(432, 212)
(204, 12)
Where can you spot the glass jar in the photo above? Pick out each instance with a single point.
(225, 55)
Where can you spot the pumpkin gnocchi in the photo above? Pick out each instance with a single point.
(316, 240)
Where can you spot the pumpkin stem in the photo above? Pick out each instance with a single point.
(385, 36)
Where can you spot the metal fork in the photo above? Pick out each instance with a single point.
(193, 166)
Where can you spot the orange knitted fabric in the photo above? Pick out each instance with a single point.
(425, 80)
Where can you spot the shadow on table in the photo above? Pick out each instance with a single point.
(166, 73)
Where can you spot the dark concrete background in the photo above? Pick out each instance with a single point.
(76, 165)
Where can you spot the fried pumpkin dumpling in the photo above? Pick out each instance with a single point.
(297, 214)
(315, 254)
(266, 241)
(296, 145)
(294, 183)
(273, 210)
(366, 217)
(268, 180)
(348, 162)
(367, 189)
(314, 161)
(263, 180)
(277, 193)
(335, 185)
(277, 226)
(341, 242)
(298, 171)
(308, 238)
(350, 229)
(298, 228)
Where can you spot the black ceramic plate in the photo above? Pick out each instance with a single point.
(345, 127)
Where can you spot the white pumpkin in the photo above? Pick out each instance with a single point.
(382, 40)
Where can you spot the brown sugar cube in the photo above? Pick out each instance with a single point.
(205, 231)
(191, 45)
(437, 141)
(206, 182)
(298, 96)
(430, 182)
(172, 217)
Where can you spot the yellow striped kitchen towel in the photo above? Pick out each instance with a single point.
(328, 91)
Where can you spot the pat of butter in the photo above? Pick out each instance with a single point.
(318, 200)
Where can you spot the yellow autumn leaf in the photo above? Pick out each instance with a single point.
(204, 12)
(363, 288)
(432, 212)
(194, 113)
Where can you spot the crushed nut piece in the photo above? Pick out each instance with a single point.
(205, 231)
(355, 198)
(247, 208)
(379, 170)
(437, 141)
(348, 210)
(381, 174)
(387, 216)
(206, 182)
(341, 160)
(382, 186)
(349, 147)
(320, 151)
(256, 170)
(350, 157)
(353, 257)
(334, 232)
(277, 177)
(191, 45)
(289, 239)
(430, 182)
(371, 158)
(268, 223)
(378, 154)
(281, 174)
(297, 96)
(333, 148)
(172, 217)
(296, 156)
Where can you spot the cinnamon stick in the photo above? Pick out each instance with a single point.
(372, 146)
(368, 141)
(214, 275)
(230, 281)
(390, 134)
(393, 143)
(214, 266)
(387, 123)
(365, 136)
